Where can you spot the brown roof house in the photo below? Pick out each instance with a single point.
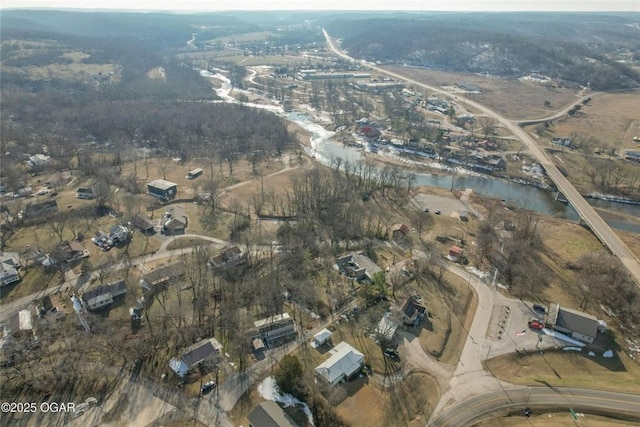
(162, 275)
(270, 414)
(455, 253)
(229, 256)
(398, 231)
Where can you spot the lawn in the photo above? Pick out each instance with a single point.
(569, 369)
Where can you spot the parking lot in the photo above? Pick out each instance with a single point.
(447, 205)
(508, 330)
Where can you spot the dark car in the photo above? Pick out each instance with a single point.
(207, 387)
(539, 308)
(391, 354)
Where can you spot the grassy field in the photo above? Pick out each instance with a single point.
(569, 369)
(514, 99)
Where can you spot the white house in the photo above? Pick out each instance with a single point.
(321, 338)
(343, 363)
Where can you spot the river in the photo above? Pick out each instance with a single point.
(324, 148)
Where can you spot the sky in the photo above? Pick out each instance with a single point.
(426, 5)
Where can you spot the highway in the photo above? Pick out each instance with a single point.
(498, 403)
(597, 225)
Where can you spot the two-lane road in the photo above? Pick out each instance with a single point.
(498, 403)
(597, 225)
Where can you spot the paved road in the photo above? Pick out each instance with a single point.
(600, 228)
(489, 405)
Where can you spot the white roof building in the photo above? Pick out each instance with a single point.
(344, 362)
(321, 338)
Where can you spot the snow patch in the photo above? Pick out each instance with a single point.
(607, 354)
(591, 353)
(269, 390)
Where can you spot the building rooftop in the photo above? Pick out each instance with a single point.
(270, 414)
(344, 361)
(577, 321)
(270, 320)
(162, 184)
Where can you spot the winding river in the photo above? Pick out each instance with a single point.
(324, 148)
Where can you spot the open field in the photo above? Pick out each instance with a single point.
(611, 117)
(512, 98)
(569, 369)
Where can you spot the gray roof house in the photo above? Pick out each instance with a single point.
(9, 265)
(274, 330)
(195, 355)
(578, 325)
(358, 266)
(162, 275)
(269, 414)
(343, 363)
(103, 295)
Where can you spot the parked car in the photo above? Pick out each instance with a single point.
(539, 308)
(536, 324)
(391, 354)
(207, 387)
(426, 210)
(437, 211)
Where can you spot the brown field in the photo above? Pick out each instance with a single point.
(569, 369)
(611, 117)
(512, 98)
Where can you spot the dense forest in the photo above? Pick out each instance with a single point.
(576, 48)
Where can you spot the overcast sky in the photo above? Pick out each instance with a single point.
(217, 5)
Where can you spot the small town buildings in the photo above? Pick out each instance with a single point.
(9, 265)
(269, 414)
(398, 231)
(174, 226)
(455, 253)
(165, 190)
(103, 296)
(578, 325)
(195, 355)
(229, 256)
(85, 193)
(161, 276)
(359, 266)
(344, 362)
(413, 311)
(274, 331)
(321, 337)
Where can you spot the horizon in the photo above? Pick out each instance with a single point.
(202, 6)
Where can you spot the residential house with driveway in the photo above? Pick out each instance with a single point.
(161, 276)
(273, 331)
(9, 266)
(195, 355)
(359, 266)
(103, 296)
(345, 361)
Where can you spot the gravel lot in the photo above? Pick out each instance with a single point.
(447, 205)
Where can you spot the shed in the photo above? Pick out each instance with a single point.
(321, 338)
(163, 189)
(399, 230)
(269, 414)
(455, 253)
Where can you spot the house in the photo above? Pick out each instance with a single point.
(118, 234)
(162, 275)
(413, 311)
(173, 226)
(42, 208)
(9, 265)
(274, 330)
(165, 190)
(386, 328)
(102, 296)
(632, 155)
(21, 324)
(38, 160)
(358, 266)
(398, 231)
(321, 337)
(229, 256)
(143, 224)
(67, 251)
(195, 355)
(343, 363)
(455, 253)
(576, 324)
(269, 414)
(85, 193)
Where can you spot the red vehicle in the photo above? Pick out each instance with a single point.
(536, 324)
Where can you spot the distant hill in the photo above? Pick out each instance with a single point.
(585, 49)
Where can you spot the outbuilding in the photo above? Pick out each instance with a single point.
(163, 189)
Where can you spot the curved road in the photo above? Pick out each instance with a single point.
(597, 225)
(562, 398)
